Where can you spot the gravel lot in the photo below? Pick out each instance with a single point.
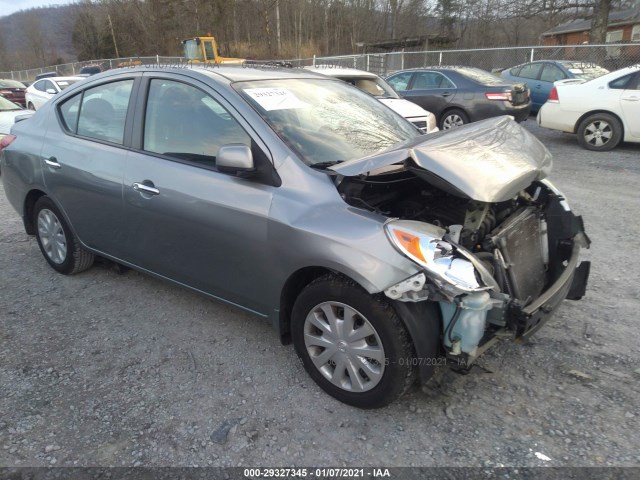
(103, 369)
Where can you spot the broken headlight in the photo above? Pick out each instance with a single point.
(448, 266)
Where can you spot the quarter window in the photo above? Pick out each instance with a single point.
(39, 86)
(69, 112)
(104, 111)
(185, 123)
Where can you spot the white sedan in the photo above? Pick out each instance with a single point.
(602, 112)
(8, 113)
(41, 91)
(376, 86)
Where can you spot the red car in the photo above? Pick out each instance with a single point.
(13, 90)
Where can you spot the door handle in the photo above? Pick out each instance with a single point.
(631, 99)
(141, 187)
(52, 162)
(446, 94)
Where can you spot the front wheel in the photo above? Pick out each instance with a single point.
(600, 132)
(352, 344)
(58, 244)
(453, 118)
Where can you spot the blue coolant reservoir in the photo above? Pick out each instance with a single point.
(471, 323)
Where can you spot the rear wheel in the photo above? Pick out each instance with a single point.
(600, 132)
(453, 118)
(58, 244)
(352, 344)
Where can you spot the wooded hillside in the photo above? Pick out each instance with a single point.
(262, 29)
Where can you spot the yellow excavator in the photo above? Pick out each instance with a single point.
(205, 50)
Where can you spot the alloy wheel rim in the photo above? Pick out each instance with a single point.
(452, 121)
(344, 346)
(598, 133)
(52, 237)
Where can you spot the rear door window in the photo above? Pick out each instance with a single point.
(531, 70)
(185, 123)
(431, 80)
(104, 110)
(552, 73)
(400, 81)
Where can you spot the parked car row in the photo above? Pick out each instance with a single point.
(602, 112)
(377, 250)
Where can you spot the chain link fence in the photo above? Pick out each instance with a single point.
(611, 56)
(70, 69)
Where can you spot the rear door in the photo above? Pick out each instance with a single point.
(432, 90)
(185, 220)
(84, 158)
(630, 105)
(530, 74)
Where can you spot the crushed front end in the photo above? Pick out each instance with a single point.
(498, 244)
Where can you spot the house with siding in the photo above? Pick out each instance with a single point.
(624, 27)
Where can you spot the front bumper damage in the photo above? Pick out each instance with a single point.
(513, 312)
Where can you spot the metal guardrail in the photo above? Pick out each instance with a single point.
(611, 56)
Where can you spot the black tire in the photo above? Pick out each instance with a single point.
(397, 372)
(75, 258)
(30, 106)
(599, 132)
(453, 118)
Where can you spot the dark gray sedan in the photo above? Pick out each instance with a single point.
(380, 253)
(459, 95)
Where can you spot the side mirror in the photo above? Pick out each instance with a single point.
(51, 91)
(235, 159)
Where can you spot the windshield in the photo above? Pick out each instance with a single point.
(65, 83)
(373, 86)
(480, 76)
(586, 71)
(7, 105)
(325, 121)
(192, 50)
(11, 84)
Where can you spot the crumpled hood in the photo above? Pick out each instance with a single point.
(489, 161)
(404, 107)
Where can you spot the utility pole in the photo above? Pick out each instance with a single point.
(113, 35)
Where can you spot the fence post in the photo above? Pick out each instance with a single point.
(440, 59)
(355, 62)
(314, 60)
(368, 62)
(157, 59)
(532, 54)
(402, 60)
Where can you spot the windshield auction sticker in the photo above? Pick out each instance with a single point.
(275, 98)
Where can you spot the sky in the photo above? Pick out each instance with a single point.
(7, 7)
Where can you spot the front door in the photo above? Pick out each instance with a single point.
(185, 220)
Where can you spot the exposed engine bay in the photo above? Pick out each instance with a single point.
(514, 249)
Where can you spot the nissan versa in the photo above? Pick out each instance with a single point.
(379, 252)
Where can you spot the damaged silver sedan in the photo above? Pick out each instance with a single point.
(379, 252)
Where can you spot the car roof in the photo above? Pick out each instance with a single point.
(219, 73)
(331, 71)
